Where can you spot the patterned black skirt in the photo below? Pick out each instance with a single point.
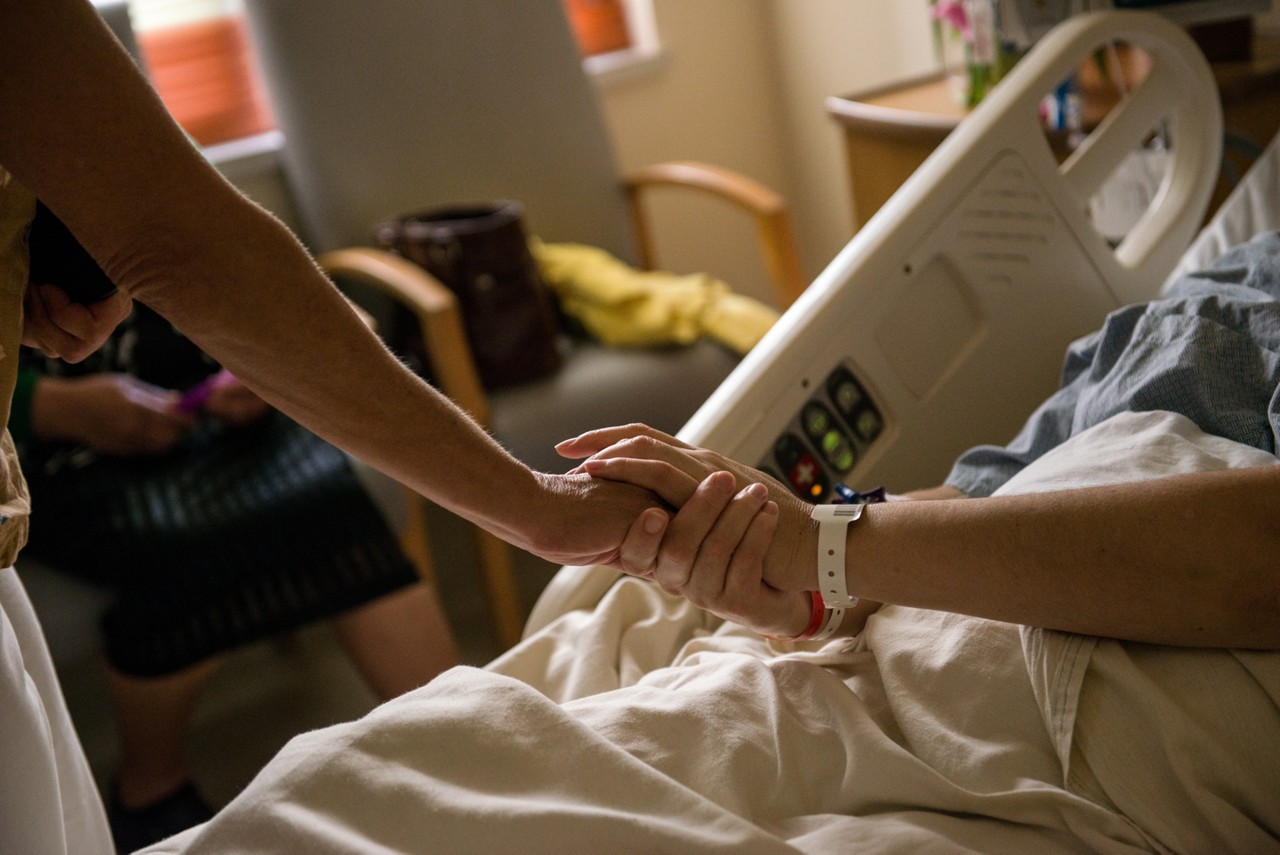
(242, 534)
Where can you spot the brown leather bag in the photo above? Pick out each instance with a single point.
(481, 253)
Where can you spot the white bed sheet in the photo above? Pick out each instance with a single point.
(1251, 208)
(645, 725)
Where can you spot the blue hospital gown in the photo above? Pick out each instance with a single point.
(1209, 349)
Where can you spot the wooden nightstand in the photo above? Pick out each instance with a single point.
(889, 132)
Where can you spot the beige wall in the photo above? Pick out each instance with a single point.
(742, 84)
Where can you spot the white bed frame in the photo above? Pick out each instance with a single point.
(952, 307)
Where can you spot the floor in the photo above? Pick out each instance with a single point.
(271, 691)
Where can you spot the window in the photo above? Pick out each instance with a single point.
(616, 37)
(197, 55)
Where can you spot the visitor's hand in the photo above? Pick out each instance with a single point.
(59, 328)
(111, 413)
(573, 518)
(674, 470)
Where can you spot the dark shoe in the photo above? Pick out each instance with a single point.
(134, 828)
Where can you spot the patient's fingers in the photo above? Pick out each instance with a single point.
(686, 536)
(749, 600)
(639, 551)
(745, 574)
(716, 550)
(595, 441)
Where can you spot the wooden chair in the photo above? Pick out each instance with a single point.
(453, 368)
(394, 106)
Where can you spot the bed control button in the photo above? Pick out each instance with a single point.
(868, 424)
(803, 470)
(821, 427)
(846, 393)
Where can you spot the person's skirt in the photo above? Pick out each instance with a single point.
(243, 534)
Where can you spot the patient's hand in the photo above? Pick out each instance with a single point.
(712, 553)
(716, 550)
(674, 470)
(111, 413)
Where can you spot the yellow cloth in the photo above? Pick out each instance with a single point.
(623, 306)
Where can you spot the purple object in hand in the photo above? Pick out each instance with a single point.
(194, 399)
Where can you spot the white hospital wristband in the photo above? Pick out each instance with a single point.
(833, 523)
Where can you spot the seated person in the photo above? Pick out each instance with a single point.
(1083, 661)
(216, 521)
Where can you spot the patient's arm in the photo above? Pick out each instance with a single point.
(1185, 560)
(711, 552)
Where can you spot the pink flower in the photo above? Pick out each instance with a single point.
(952, 12)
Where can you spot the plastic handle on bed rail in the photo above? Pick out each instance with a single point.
(1179, 88)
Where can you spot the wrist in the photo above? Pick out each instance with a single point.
(535, 493)
(834, 523)
(821, 622)
(813, 612)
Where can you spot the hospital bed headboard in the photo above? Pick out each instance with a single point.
(943, 323)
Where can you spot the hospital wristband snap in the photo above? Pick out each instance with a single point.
(833, 524)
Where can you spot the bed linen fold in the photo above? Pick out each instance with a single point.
(646, 726)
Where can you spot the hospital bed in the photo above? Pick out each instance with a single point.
(942, 323)
(629, 720)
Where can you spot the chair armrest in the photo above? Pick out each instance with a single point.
(773, 221)
(436, 309)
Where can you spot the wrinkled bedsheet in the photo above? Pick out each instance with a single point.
(645, 725)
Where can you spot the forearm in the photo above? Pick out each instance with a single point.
(1187, 560)
(855, 619)
(183, 241)
(297, 343)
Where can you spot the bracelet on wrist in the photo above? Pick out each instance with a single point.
(823, 622)
(833, 525)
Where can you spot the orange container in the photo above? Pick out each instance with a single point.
(205, 76)
(600, 26)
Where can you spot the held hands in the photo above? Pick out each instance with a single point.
(59, 328)
(720, 551)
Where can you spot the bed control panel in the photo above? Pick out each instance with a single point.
(826, 438)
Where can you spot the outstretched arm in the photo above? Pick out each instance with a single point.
(85, 133)
(1184, 560)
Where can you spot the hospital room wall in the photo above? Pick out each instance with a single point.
(742, 83)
